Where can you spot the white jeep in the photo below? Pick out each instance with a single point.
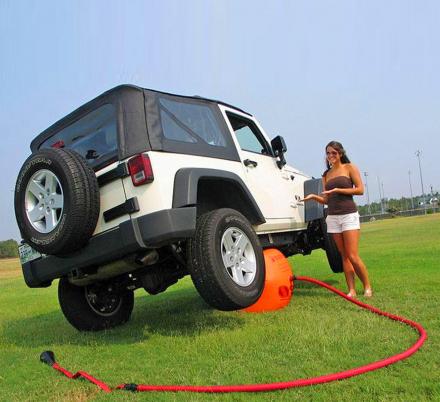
(137, 188)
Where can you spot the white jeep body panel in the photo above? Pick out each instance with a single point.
(158, 195)
(276, 191)
(111, 195)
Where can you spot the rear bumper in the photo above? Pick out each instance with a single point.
(149, 231)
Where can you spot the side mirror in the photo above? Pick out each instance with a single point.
(279, 147)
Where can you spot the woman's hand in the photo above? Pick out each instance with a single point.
(333, 190)
(309, 197)
(320, 199)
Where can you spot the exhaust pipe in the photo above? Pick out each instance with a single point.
(116, 268)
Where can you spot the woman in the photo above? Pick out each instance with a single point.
(341, 181)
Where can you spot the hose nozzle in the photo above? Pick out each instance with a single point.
(48, 357)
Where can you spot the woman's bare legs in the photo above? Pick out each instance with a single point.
(348, 267)
(351, 242)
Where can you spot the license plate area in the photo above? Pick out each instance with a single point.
(27, 253)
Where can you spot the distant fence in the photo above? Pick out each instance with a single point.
(409, 212)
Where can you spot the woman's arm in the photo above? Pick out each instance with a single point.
(322, 199)
(358, 185)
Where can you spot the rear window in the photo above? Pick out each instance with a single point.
(94, 137)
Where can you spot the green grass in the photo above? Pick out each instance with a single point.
(174, 338)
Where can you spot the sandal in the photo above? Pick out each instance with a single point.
(351, 295)
(368, 292)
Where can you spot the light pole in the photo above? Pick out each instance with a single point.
(380, 195)
(418, 153)
(383, 196)
(410, 189)
(368, 193)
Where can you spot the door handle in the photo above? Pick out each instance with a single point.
(248, 162)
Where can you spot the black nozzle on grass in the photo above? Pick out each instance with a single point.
(48, 357)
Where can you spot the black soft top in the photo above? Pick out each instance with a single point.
(121, 94)
(139, 125)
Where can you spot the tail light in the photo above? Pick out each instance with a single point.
(140, 170)
(59, 144)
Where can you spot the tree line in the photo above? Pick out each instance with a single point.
(8, 248)
(393, 205)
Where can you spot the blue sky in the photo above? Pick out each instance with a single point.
(365, 73)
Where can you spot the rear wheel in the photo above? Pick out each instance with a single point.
(95, 307)
(226, 261)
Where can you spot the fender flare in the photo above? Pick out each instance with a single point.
(186, 182)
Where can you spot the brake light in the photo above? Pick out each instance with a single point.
(140, 170)
(59, 144)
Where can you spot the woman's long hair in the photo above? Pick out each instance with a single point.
(338, 146)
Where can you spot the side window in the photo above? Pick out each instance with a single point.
(248, 135)
(173, 131)
(190, 122)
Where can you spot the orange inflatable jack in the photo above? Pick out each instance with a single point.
(278, 286)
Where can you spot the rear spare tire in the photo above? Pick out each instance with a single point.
(225, 260)
(56, 201)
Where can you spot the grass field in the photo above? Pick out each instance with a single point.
(174, 338)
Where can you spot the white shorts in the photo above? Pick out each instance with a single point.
(342, 223)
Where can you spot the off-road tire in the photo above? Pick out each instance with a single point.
(84, 315)
(205, 263)
(81, 201)
(331, 250)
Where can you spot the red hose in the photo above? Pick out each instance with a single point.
(82, 374)
(275, 385)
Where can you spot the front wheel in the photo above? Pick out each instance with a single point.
(331, 250)
(94, 307)
(225, 260)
